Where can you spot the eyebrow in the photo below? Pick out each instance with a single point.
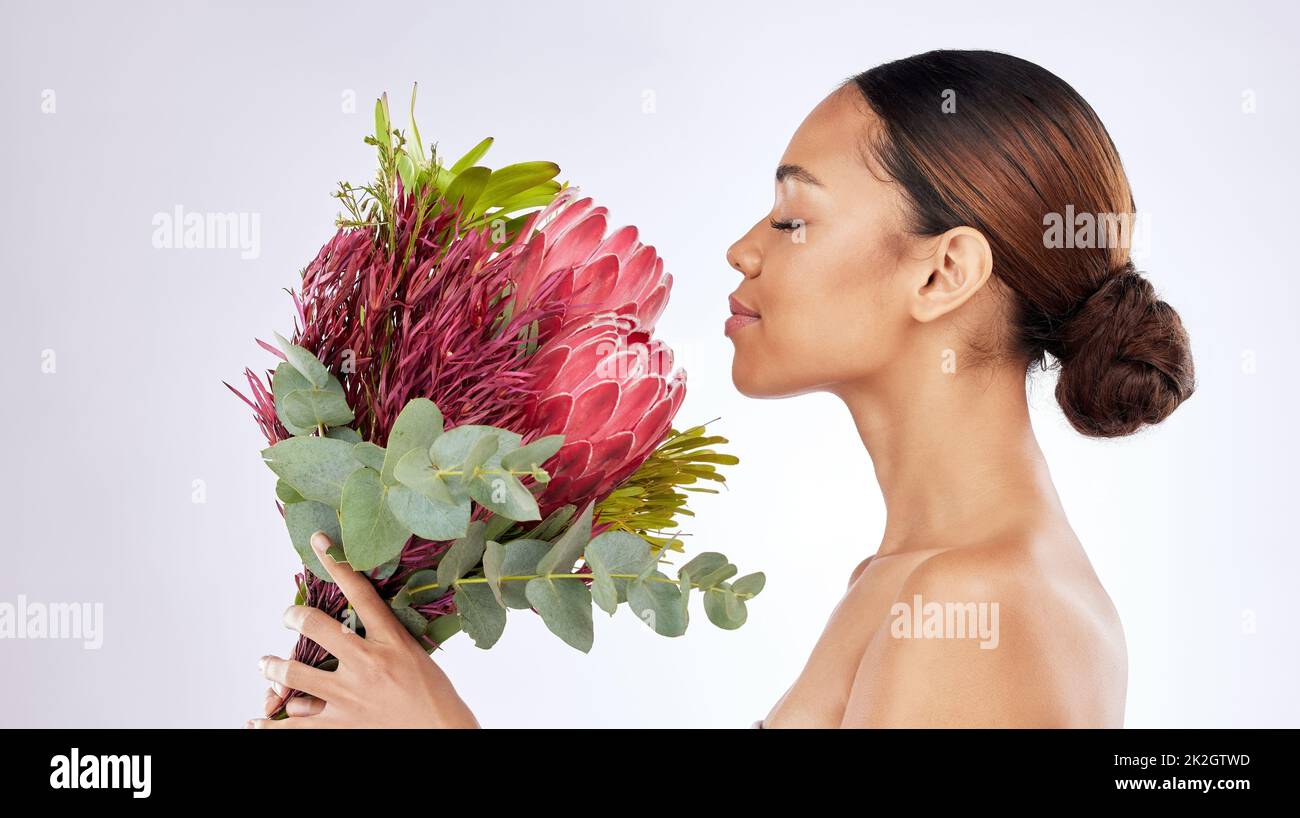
(797, 172)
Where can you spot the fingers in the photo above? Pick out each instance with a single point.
(294, 674)
(374, 612)
(304, 706)
(273, 701)
(293, 723)
(323, 629)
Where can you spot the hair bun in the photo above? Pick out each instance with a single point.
(1126, 361)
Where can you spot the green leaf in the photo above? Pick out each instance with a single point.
(371, 534)
(483, 619)
(615, 552)
(565, 607)
(467, 187)
(287, 493)
(505, 495)
(716, 576)
(344, 433)
(496, 526)
(422, 587)
(703, 563)
(414, 623)
(427, 518)
(469, 159)
(417, 426)
(569, 547)
(463, 555)
(483, 448)
(511, 179)
(521, 558)
(369, 455)
(305, 519)
(316, 407)
(452, 448)
(658, 604)
(286, 380)
(553, 524)
(442, 628)
(724, 609)
(494, 556)
(417, 472)
(534, 454)
(751, 584)
(382, 126)
(317, 467)
(307, 364)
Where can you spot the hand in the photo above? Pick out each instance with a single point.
(385, 679)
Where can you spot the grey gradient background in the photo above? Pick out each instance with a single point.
(237, 107)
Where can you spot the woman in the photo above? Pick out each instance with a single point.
(929, 244)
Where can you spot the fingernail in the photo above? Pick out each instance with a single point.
(261, 666)
(278, 688)
(293, 617)
(320, 543)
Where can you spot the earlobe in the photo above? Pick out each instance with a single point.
(961, 263)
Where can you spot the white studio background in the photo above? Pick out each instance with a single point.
(238, 107)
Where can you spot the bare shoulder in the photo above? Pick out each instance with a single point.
(1018, 632)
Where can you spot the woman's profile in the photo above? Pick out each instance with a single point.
(943, 225)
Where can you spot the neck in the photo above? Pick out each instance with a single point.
(955, 455)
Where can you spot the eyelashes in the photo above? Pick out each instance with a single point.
(785, 226)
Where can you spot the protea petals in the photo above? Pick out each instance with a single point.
(603, 272)
(610, 389)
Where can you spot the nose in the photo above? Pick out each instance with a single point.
(745, 256)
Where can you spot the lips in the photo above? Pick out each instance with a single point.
(741, 316)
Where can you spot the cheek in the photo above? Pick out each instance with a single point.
(826, 317)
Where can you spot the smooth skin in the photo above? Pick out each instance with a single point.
(910, 332)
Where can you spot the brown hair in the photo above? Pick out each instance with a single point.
(997, 143)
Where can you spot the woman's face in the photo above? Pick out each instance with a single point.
(819, 268)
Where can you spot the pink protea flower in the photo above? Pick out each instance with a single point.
(597, 273)
(610, 389)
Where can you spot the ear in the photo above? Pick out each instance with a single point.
(960, 265)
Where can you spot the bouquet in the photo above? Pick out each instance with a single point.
(476, 411)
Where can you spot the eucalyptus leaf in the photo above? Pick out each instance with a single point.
(751, 584)
(372, 535)
(422, 587)
(286, 380)
(427, 518)
(481, 617)
(345, 433)
(615, 552)
(494, 556)
(463, 555)
(307, 364)
(369, 455)
(305, 519)
(565, 607)
(452, 448)
(553, 524)
(534, 454)
(716, 576)
(569, 546)
(496, 526)
(416, 471)
(658, 604)
(411, 619)
(723, 609)
(287, 493)
(316, 407)
(316, 467)
(704, 563)
(417, 426)
(504, 495)
(521, 558)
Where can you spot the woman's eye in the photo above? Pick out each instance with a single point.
(786, 226)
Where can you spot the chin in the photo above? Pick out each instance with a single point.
(752, 382)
